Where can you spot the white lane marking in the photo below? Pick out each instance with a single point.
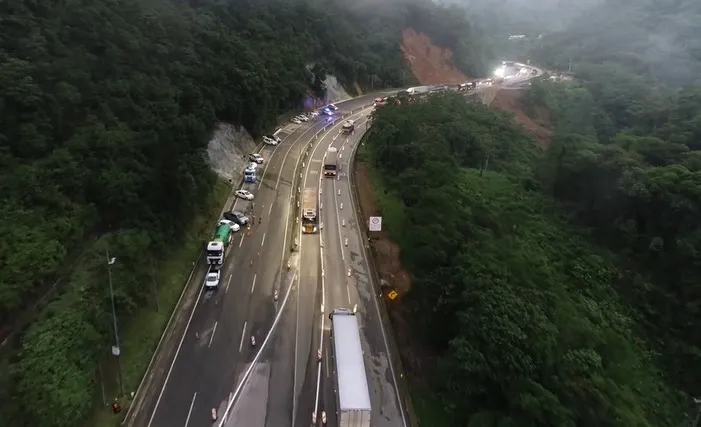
(263, 241)
(228, 282)
(253, 286)
(348, 293)
(172, 364)
(241, 242)
(187, 420)
(243, 335)
(314, 131)
(265, 169)
(234, 395)
(377, 309)
(211, 337)
(277, 318)
(271, 208)
(323, 282)
(338, 222)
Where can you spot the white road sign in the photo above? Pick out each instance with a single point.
(375, 223)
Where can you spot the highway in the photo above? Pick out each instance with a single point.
(337, 289)
(207, 346)
(206, 349)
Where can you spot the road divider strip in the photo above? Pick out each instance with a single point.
(403, 396)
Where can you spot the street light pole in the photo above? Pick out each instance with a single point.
(115, 349)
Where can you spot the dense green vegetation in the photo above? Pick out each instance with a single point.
(632, 173)
(534, 321)
(105, 109)
(446, 26)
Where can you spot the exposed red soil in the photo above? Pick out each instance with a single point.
(417, 361)
(540, 127)
(386, 252)
(429, 63)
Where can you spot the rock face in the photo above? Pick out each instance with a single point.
(334, 90)
(228, 150)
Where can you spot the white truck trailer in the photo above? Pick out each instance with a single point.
(352, 395)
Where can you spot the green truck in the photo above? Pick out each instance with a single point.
(216, 249)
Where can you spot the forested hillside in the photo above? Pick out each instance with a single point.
(532, 321)
(657, 39)
(447, 26)
(632, 173)
(105, 110)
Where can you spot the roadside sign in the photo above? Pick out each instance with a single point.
(375, 223)
(392, 294)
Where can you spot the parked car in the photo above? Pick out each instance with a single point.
(296, 121)
(270, 141)
(212, 281)
(234, 227)
(256, 158)
(237, 217)
(243, 194)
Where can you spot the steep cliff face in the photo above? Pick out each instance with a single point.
(228, 150)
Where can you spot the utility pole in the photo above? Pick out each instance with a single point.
(569, 69)
(115, 348)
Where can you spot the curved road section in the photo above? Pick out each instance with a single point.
(207, 346)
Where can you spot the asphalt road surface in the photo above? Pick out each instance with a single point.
(208, 346)
(349, 283)
(337, 250)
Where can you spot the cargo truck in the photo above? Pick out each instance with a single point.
(352, 395)
(348, 127)
(331, 162)
(216, 249)
(310, 210)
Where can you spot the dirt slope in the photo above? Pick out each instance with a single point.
(509, 100)
(429, 63)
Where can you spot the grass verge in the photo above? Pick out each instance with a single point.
(140, 335)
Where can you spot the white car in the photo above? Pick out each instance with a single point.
(232, 225)
(270, 141)
(314, 113)
(296, 121)
(256, 158)
(302, 117)
(246, 195)
(212, 280)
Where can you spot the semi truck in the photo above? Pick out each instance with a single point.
(331, 162)
(351, 382)
(310, 210)
(216, 249)
(348, 127)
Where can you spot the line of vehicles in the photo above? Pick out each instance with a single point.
(328, 110)
(350, 378)
(228, 225)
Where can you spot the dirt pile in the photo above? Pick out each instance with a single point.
(416, 360)
(509, 100)
(429, 63)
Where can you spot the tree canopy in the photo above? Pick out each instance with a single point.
(106, 108)
(537, 320)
